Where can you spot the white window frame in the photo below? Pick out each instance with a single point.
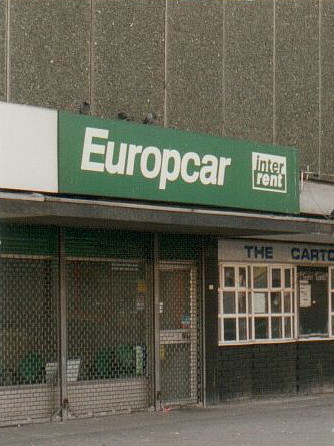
(250, 290)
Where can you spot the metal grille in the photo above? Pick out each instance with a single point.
(103, 309)
(109, 335)
(28, 336)
(179, 333)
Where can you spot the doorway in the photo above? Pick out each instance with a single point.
(179, 339)
(313, 300)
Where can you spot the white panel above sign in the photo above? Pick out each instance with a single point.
(317, 198)
(271, 252)
(28, 148)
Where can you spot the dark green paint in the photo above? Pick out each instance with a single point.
(28, 240)
(105, 244)
(237, 191)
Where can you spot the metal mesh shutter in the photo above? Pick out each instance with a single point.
(108, 324)
(181, 312)
(28, 332)
(109, 332)
(180, 333)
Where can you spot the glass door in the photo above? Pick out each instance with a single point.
(313, 300)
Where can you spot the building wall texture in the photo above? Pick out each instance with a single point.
(247, 69)
(273, 370)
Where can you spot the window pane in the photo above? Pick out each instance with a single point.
(242, 302)
(260, 302)
(229, 302)
(260, 276)
(332, 278)
(242, 329)
(249, 303)
(332, 325)
(276, 277)
(229, 277)
(250, 328)
(276, 327)
(333, 302)
(242, 277)
(287, 302)
(230, 330)
(276, 302)
(287, 281)
(261, 328)
(287, 327)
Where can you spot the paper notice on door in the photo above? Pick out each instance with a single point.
(304, 293)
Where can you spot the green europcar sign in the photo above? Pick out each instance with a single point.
(131, 161)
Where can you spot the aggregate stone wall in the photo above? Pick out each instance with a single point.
(3, 40)
(259, 70)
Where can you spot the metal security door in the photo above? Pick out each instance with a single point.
(178, 333)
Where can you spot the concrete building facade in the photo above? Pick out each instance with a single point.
(257, 70)
(118, 298)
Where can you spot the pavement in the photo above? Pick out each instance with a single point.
(289, 422)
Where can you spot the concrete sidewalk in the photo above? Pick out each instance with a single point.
(291, 422)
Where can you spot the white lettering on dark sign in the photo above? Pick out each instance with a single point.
(167, 164)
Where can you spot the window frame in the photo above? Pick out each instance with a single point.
(250, 314)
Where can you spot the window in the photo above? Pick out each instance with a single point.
(331, 299)
(257, 303)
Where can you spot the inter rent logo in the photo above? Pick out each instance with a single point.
(269, 172)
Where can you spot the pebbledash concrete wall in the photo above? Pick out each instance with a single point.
(248, 69)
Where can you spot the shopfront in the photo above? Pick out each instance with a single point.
(112, 270)
(105, 325)
(277, 299)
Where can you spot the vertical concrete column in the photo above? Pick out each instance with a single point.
(128, 61)
(327, 86)
(49, 52)
(297, 78)
(194, 70)
(249, 69)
